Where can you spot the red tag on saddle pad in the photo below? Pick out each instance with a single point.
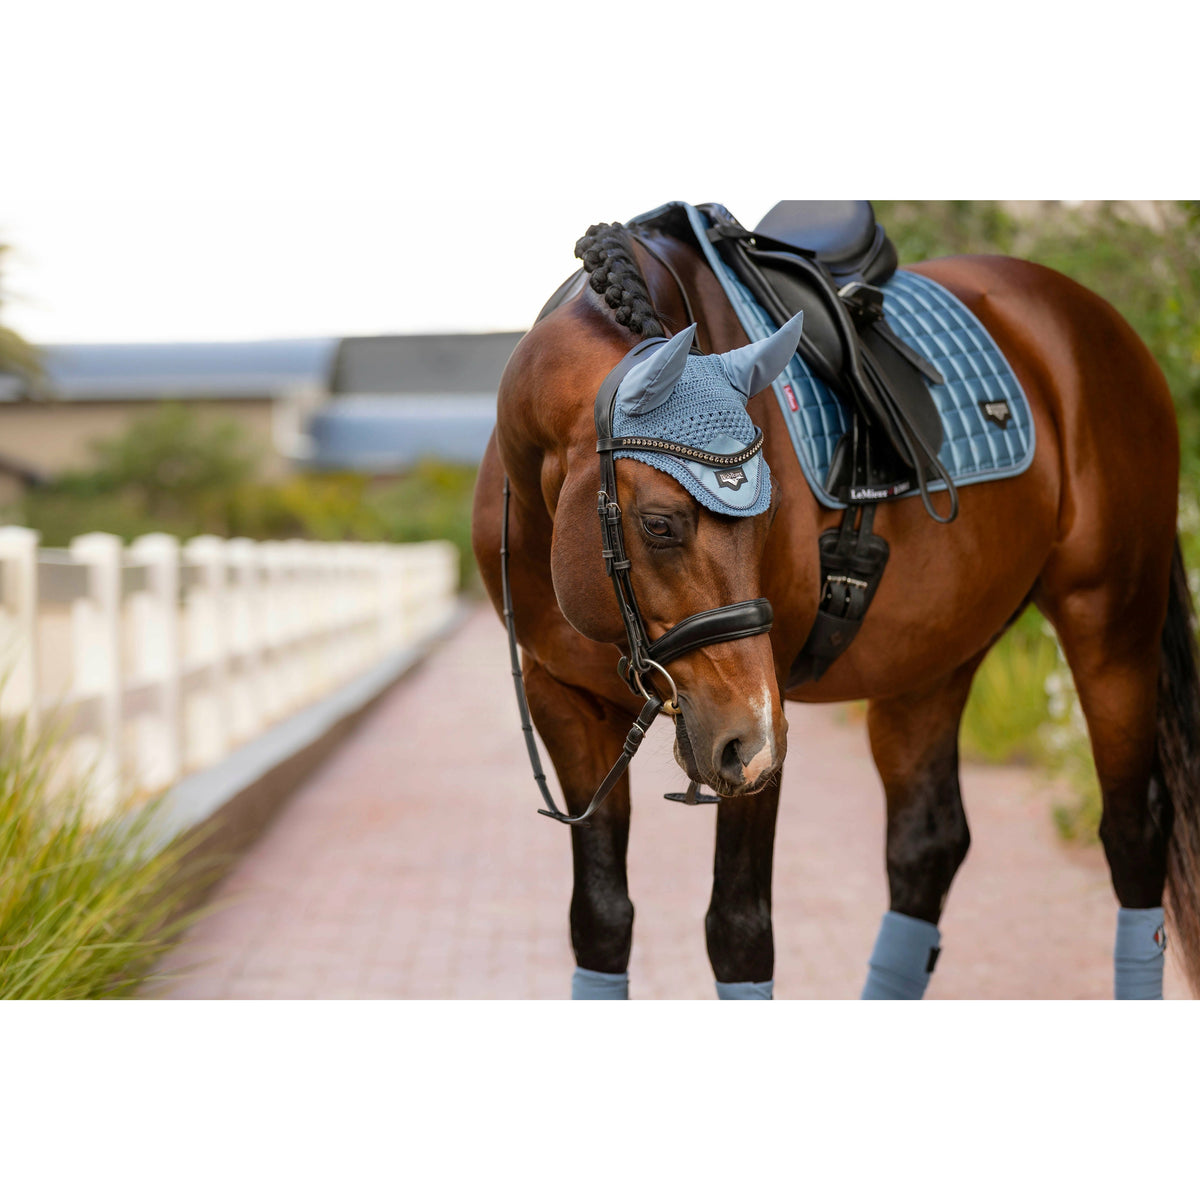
(791, 397)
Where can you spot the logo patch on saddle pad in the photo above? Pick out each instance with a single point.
(996, 411)
(732, 478)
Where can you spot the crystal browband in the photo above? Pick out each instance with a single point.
(705, 457)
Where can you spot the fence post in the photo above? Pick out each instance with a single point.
(385, 565)
(302, 615)
(247, 620)
(96, 629)
(208, 638)
(325, 600)
(273, 629)
(378, 567)
(157, 658)
(355, 583)
(20, 690)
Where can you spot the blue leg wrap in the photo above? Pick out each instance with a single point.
(902, 960)
(1138, 954)
(596, 985)
(746, 991)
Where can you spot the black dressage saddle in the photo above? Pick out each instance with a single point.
(831, 258)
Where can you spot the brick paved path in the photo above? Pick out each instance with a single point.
(412, 865)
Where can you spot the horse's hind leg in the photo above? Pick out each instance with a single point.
(914, 740)
(584, 739)
(741, 944)
(1111, 638)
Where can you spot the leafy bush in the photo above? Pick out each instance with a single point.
(431, 501)
(86, 908)
(1006, 717)
(174, 472)
(171, 463)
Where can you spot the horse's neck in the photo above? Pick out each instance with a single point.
(686, 273)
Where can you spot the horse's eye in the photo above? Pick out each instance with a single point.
(657, 526)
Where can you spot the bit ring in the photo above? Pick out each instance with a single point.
(670, 707)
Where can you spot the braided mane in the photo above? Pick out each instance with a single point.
(607, 254)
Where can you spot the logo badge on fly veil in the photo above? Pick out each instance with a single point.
(732, 478)
(996, 411)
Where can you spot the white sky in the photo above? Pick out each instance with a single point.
(257, 170)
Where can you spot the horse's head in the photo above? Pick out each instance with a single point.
(695, 504)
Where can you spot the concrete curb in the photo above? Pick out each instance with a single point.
(224, 808)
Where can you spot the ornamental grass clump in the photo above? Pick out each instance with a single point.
(86, 906)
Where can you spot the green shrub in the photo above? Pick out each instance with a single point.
(1007, 714)
(174, 472)
(433, 500)
(86, 907)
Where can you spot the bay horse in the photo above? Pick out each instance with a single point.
(1087, 534)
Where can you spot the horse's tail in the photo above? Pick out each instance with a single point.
(1178, 746)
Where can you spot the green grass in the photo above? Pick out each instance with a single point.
(1008, 711)
(1023, 709)
(86, 908)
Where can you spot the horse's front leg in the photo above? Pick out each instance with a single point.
(914, 740)
(741, 945)
(585, 738)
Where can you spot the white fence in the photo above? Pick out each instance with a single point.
(158, 659)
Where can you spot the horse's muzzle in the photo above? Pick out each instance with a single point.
(737, 760)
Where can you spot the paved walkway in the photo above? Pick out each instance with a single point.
(412, 865)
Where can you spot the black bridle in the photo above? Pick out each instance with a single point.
(644, 667)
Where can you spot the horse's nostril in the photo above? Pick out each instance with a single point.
(731, 761)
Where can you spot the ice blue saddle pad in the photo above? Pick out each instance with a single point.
(938, 326)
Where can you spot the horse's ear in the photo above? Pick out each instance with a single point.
(651, 382)
(751, 368)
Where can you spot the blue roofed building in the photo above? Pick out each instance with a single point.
(369, 404)
(399, 399)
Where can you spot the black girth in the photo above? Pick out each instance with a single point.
(644, 667)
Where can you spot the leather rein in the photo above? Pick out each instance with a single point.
(644, 667)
